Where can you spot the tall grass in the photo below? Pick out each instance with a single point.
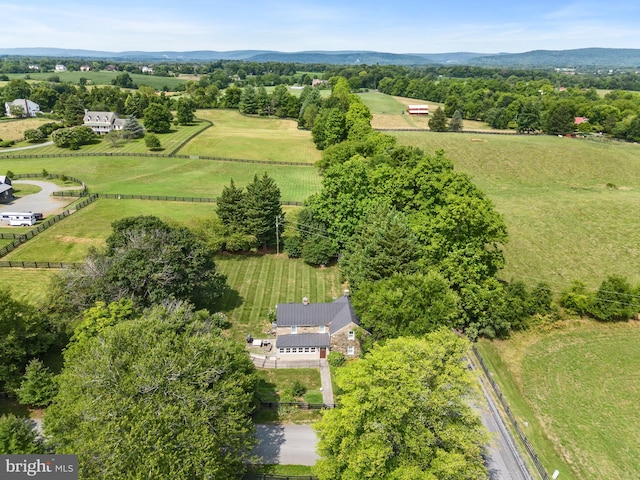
(569, 204)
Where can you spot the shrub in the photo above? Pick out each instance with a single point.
(336, 359)
(152, 142)
(297, 389)
(34, 135)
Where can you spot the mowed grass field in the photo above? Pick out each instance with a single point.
(100, 77)
(169, 142)
(256, 138)
(259, 282)
(579, 385)
(169, 176)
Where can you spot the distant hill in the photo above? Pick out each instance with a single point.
(585, 57)
(582, 57)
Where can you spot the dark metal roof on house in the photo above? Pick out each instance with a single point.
(303, 340)
(337, 314)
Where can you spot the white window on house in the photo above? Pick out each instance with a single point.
(351, 335)
(287, 350)
(281, 350)
(312, 350)
(322, 329)
(351, 350)
(294, 329)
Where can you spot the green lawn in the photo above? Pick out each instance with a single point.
(70, 239)
(578, 387)
(238, 136)
(169, 142)
(30, 284)
(569, 204)
(259, 282)
(169, 176)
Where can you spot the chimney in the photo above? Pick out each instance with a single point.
(346, 292)
(305, 301)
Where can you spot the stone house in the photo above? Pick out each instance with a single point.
(308, 331)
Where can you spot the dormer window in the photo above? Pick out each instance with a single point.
(322, 329)
(294, 329)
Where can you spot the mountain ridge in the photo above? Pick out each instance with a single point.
(583, 57)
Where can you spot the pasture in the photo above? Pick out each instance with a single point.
(569, 204)
(100, 77)
(256, 138)
(169, 176)
(11, 129)
(576, 388)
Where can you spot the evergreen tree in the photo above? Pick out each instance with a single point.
(248, 103)
(132, 128)
(18, 436)
(262, 208)
(73, 111)
(384, 244)
(38, 385)
(231, 207)
(438, 123)
(455, 125)
(263, 102)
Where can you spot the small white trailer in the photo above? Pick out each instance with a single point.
(18, 219)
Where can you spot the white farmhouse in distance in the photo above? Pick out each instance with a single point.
(29, 108)
(60, 68)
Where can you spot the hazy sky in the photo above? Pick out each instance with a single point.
(284, 25)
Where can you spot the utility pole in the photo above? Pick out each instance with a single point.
(277, 235)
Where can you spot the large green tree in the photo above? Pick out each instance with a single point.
(163, 396)
(185, 111)
(407, 305)
(438, 121)
(383, 245)
(148, 261)
(24, 333)
(157, 118)
(405, 412)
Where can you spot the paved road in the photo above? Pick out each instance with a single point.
(503, 460)
(286, 444)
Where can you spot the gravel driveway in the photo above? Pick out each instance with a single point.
(41, 202)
